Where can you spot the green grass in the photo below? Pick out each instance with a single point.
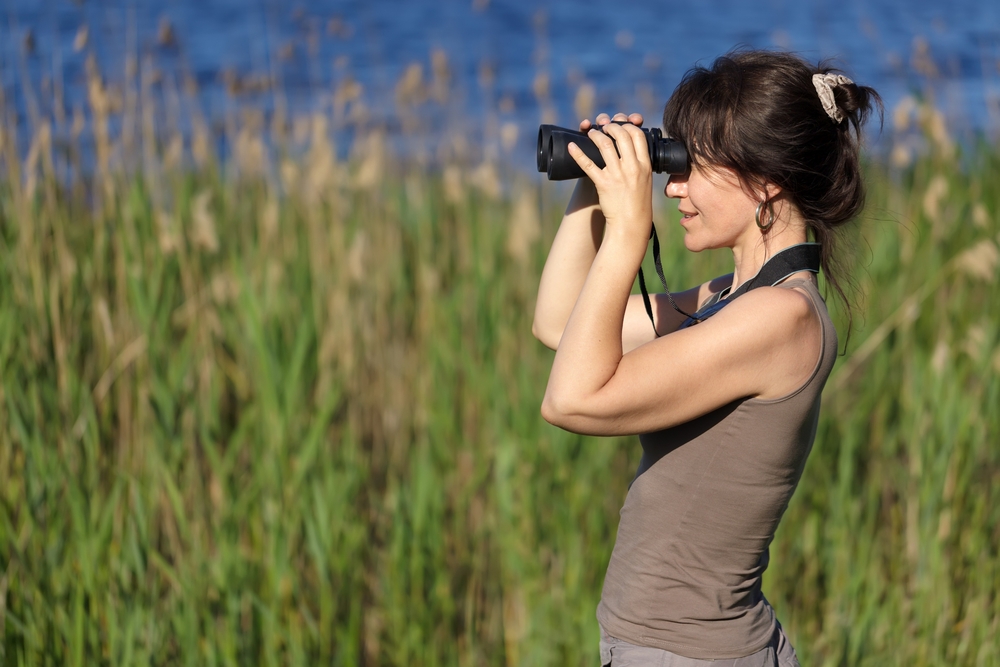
(293, 418)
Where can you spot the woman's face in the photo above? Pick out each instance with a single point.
(716, 211)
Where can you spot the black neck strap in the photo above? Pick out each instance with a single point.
(800, 257)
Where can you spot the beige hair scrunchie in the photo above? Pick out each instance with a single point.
(825, 83)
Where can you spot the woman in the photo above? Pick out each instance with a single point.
(728, 407)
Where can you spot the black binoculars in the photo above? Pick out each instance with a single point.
(667, 156)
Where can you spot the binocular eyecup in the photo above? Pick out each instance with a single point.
(666, 156)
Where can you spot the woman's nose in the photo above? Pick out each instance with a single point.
(676, 186)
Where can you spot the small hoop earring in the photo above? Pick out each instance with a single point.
(770, 216)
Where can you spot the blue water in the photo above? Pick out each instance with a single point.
(633, 54)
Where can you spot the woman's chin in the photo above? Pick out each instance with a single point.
(692, 244)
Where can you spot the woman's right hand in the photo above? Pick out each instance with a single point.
(585, 193)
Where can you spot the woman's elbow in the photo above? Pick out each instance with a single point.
(558, 411)
(581, 413)
(549, 412)
(546, 336)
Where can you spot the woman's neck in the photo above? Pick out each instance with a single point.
(750, 255)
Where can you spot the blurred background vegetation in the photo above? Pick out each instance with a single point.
(280, 406)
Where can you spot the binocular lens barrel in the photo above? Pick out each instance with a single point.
(665, 155)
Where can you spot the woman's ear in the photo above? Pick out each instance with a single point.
(762, 192)
(771, 191)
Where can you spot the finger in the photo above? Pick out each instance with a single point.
(634, 146)
(585, 125)
(604, 144)
(635, 119)
(640, 143)
(588, 166)
(603, 120)
(624, 142)
(602, 138)
(620, 118)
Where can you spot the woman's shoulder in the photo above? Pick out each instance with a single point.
(788, 312)
(784, 330)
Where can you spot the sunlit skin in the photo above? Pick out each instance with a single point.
(611, 375)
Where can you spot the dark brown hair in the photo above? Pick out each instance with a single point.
(758, 114)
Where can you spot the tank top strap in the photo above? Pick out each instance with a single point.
(810, 288)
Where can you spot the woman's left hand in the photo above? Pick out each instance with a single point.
(625, 184)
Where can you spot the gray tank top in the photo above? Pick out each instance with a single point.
(692, 545)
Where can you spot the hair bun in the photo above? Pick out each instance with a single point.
(849, 97)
